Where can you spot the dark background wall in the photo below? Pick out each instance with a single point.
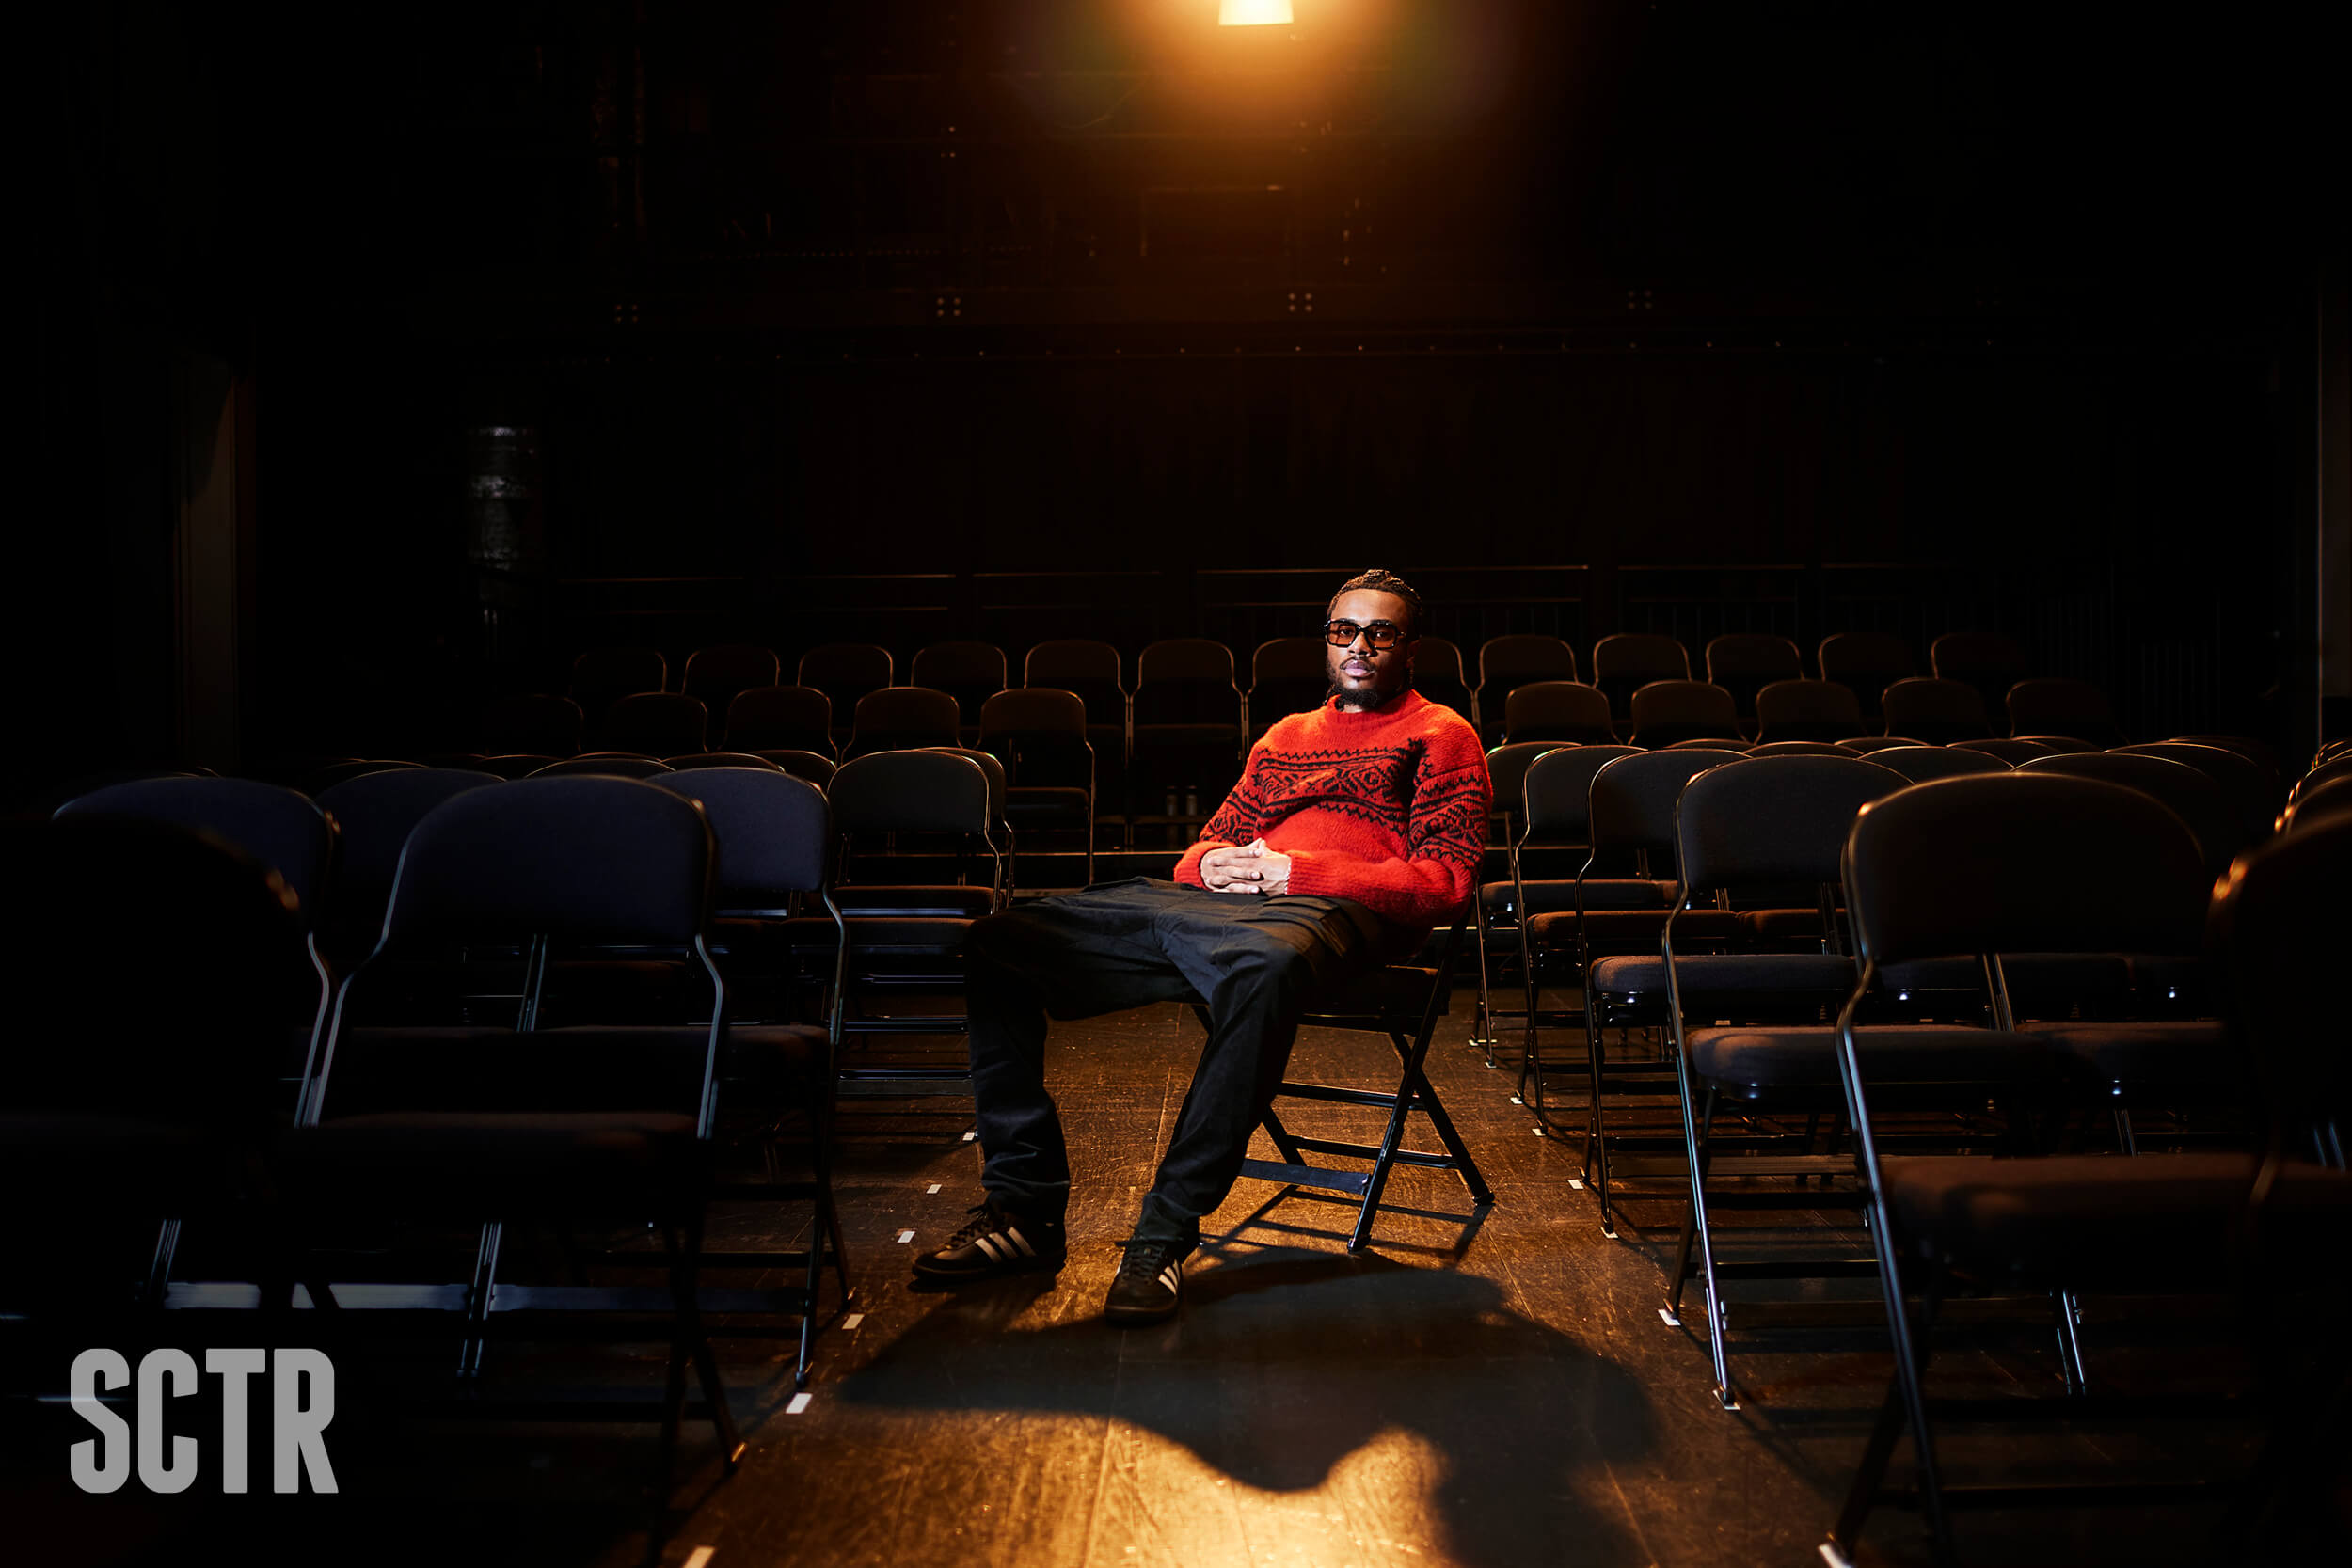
(540, 326)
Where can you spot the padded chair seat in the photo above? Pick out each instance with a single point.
(1895, 1056)
(2041, 985)
(1555, 896)
(1782, 925)
(2102, 1220)
(2166, 1052)
(1610, 927)
(1718, 975)
(493, 1165)
(960, 901)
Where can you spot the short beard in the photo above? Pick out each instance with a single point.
(1350, 701)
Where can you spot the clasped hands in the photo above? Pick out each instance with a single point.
(1248, 869)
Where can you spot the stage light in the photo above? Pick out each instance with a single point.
(1252, 13)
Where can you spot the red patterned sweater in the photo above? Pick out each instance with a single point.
(1387, 807)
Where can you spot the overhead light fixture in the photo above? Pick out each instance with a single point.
(1253, 13)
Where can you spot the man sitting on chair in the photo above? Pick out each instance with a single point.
(1354, 828)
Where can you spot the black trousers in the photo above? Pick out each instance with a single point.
(1255, 961)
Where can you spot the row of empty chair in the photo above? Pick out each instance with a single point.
(1287, 674)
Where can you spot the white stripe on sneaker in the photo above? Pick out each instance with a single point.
(1020, 1240)
(1173, 1278)
(988, 1246)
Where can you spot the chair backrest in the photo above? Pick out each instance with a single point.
(1987, 661)
(1632, 799)
(768, 718)
(152, 970)
(1708, 743)
(2015, 752)
(1934, 710)
(774, 835)
(2329, 800)
(1807, 710)
(1670, 710)
(1187, 680)
(1557, 711)
(320, 780)
(716, 675)
(1778, 820)
(2195, 798)
(912, 791)
(814, 766)
(2251, 790)
(601, 861)
(533, 721)
(281, 829)
(1963, 866)
(844, 671)
(516, 765)
(2244, 745)
(1039, 733)
(1742, 662)
(656, 725)
(602, 767)
(693, 760)
(1865, 663)
(969, 672)
(1437, 675)
(603, 676)
(2282, 924)
(1800, 749)
(991, 766)
(1083, 666)
(903, 717)
(1555, 794)
(1506, 771)
(2327, 770)
(1921, 763)
(1287, 675)
(1629, 661)
(374, 813)
(2054, 706)
(1867, 744)
(2062, 744)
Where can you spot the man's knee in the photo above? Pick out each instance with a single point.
(1271, 961)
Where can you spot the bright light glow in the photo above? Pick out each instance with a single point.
(1252, 13)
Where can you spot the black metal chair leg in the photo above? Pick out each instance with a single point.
(1869, 1475)
(478, 1299)
(1695, 1136)
(158, 1281)
(1597, 1130)
(2069, 1339)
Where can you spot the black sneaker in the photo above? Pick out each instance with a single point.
(1149, 1285)
(995, 1241)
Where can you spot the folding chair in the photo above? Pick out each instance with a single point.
(556, 1125)
(2307, 809)
(1508, 662)
(845, 672)
(905, 939)
(1501, 905)
(1287, 675)
(374, 815)
(1090, 672)
(656, 725)
(817, 769)
(1807, 710)
(1763, 823)
(2065, 707)
(603, 676)
(1437, 675)
(1625, 663)
(1619, 903)
(1038, 735)
(1924, 870)
(1987, 661)
(971, 673)
(1188, 734)
(780, 718)
(1936, 711)
(1405, 1004)
(2251, 790)
(903, 718)
(1565, 713)
(155, 973)
(1865, 663)
(1742, 663)
(715, 676)
(1668, 711)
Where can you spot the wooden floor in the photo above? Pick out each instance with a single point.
(1495, 1389)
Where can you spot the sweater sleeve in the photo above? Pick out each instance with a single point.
(1445, 837)
(1236, 822)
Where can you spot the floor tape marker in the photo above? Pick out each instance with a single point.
(1668, 1319)
(905, 1236)
(800, 1402)
(850, 1324)
(700, 1556)
(932, 1188)
(1576, 1182)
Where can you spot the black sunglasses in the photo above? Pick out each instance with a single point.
(1380, 634)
